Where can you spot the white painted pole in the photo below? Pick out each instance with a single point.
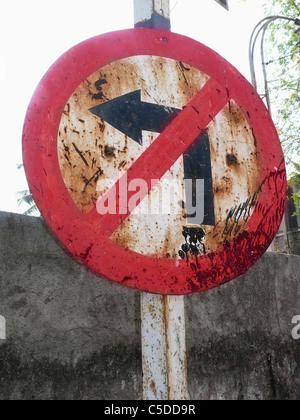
(152, 13)
(163, 317)
(164, 348)
(154, 347)
(176, 348)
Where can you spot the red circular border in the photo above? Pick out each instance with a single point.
(81, 239)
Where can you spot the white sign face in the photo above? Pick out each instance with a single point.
(98, 143)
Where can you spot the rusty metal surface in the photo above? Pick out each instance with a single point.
(154, 347)
(176, 348)
(163, 347)
(92, 153)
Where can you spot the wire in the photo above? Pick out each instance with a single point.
(252, 49)
(262, 26)
(263, 62)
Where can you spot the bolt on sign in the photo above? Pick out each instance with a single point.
(154, 162)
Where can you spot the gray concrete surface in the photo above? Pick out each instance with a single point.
(72, 336)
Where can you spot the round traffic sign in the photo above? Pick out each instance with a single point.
(155, 162)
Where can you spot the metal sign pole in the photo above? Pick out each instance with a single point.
(163, 347)
(163, 317)
(152, 14)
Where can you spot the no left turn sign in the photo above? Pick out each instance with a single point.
(154, 162)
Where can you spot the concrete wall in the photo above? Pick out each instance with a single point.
(70, 335)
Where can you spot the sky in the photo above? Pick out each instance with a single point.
(35, 33)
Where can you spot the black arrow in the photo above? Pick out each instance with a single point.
(131, 116)
(197, 165)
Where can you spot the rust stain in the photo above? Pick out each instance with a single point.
(236, 172)
(153, 387)
(93, 153)
(231, 159)
(80, 154)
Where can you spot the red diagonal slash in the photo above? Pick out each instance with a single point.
(166, 149)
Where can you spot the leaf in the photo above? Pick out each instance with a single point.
(297, 167)
(26, 197)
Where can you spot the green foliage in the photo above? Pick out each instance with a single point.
(294, 182)
(295, 178)
(26, 198)
(283, 52)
